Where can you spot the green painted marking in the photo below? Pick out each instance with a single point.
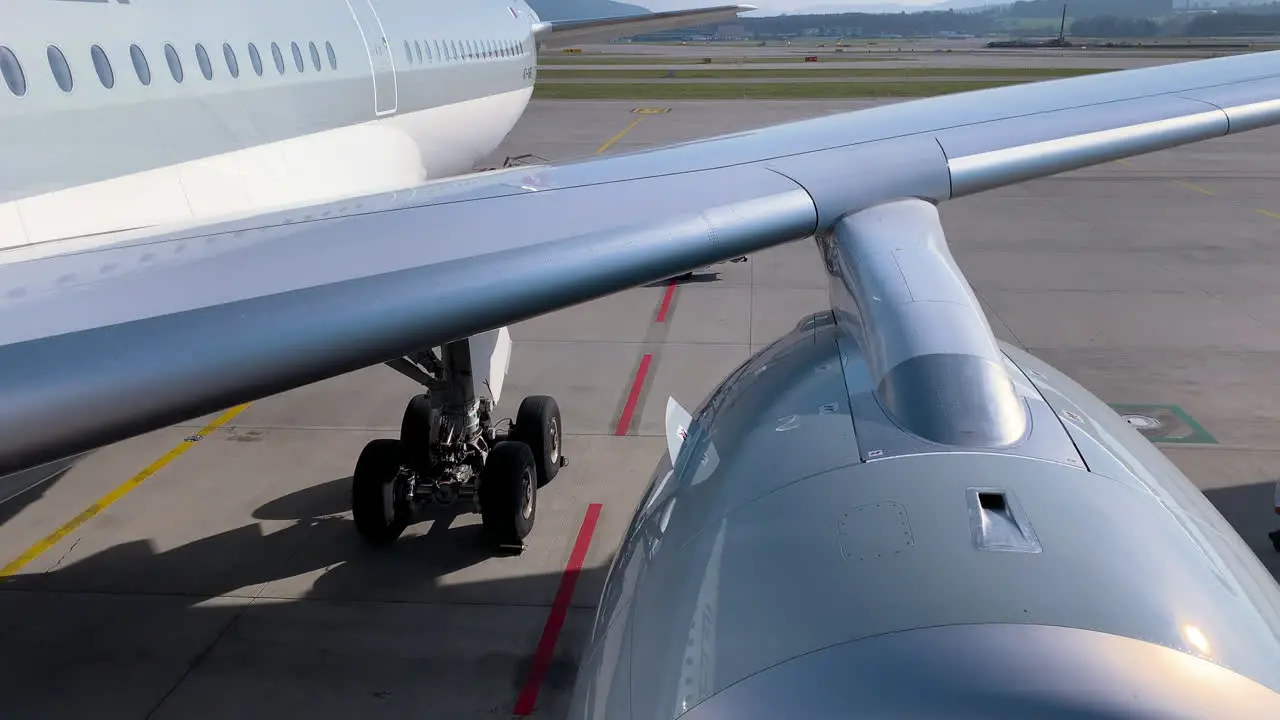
(1164, 423)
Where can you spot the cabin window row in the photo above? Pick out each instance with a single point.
(418, 52)
(15, 78)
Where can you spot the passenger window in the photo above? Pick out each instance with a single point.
(256, 59)
(315, 56)
(202, 59)
(61, 70)
(408, 52)
(333, 58)
(103, 67)
(140, 65)
(233, 65)
(11, 69)
(278, 57)
(417, 50)
(175, 62)
(297, 57)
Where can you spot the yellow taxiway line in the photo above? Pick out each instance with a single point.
(110, 498)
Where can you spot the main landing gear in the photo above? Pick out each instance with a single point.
(451, 452)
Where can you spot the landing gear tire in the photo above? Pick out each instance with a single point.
(508, 493)
(378, 500)
(419, 431)
(538, 426)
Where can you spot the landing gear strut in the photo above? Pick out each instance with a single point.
(450, 451)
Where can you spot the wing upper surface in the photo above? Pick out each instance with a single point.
(561, 33)
(100, 344)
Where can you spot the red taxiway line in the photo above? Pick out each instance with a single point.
(633, 398)
(666, 301)
(559, 610)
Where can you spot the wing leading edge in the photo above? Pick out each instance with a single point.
(99, 345)
(561, 33)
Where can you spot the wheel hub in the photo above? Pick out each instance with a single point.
(553, 433)
(529, 483)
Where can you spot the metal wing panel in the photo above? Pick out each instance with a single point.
(561, 33)
(1246, 80)
(999, 153)
(82, 369)
(991, 154)
(242, 308)
(396, 232)
(1248, 105)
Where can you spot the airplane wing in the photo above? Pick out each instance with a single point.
(561, 33)
(100, 344)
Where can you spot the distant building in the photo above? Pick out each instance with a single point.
(731, 32)
(683, 35)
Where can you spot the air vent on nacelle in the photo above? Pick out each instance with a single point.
(998, 522)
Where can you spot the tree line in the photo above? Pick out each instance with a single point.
(1242, 22)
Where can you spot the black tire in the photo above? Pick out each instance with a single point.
(372, 483)
(538, 425)
(508, 493)
(419, 431)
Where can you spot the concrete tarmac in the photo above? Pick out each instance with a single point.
(231, 584)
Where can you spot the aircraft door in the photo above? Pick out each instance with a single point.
(381, 63)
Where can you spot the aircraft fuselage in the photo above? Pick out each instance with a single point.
(116, 116)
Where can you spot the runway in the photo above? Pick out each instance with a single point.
(229, 582)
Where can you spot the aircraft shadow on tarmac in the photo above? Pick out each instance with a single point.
(694, 279)
(305, 534)
(1249, 509)
(21, 489)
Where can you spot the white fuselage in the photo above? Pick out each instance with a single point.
(270, 103)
